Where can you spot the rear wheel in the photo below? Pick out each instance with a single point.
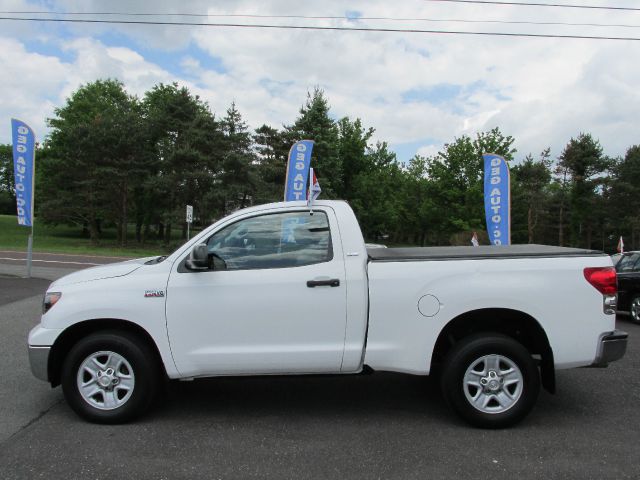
(109, 377)
(490, 380)
(634, 309)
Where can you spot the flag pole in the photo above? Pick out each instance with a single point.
(29, 252)
(309, 193)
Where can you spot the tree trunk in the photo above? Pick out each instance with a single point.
(160, 231)
(94, 223)
(119, 231)
(145, 232)
(530, 224)
(125, 213)
(94, 232)
(560, 229)
(167, 234)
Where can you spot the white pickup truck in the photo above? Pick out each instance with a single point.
(279, 290)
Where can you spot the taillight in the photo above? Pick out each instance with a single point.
(605, 281)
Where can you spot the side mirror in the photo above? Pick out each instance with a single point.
(198, 258)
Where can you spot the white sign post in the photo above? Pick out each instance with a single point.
(189, 218)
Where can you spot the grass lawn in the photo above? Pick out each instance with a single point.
(66, 239)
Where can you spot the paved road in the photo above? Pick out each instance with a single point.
(376, 426)
(57, 260)
(15, 288)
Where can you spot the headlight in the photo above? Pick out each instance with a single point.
(50, 299)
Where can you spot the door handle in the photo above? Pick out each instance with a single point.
(333, 282)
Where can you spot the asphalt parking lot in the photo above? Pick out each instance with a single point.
(374, 426)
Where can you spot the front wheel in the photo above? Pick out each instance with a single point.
(109, 377)
(490, 380)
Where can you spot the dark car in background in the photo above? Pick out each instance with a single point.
(628, 268)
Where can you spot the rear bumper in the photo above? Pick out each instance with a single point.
(612, 347)
(39, 361)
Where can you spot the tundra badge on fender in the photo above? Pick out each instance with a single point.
(154, 293)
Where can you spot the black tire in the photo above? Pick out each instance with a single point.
(469, 352)
(140, 358)
(634, 309)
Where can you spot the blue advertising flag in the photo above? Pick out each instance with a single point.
(295, 187)
(497, 199)
(23, 167)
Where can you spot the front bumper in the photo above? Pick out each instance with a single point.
(39, 361)
(612, 347)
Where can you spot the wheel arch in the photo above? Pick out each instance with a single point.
(514, 323)
(70, 336)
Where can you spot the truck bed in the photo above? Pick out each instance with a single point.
(413, 254)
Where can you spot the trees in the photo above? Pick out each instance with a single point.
(89, 156)
(529, 184)
(419, 203)
(112, 158)
(456, 184)
(272, 152)
(185, 152)
(377, 202)
(237, 178)
(624, 199)
(353, 141)
(314, 123)
(7, 183)
(585, 165)
(109, 154)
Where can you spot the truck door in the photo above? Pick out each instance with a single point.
(628, 270)
(274, 301)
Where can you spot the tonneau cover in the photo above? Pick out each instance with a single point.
(473, 253)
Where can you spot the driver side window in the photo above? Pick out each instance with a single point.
(278, 240)
(629, 263)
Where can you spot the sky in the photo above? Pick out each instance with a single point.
(418, 91)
